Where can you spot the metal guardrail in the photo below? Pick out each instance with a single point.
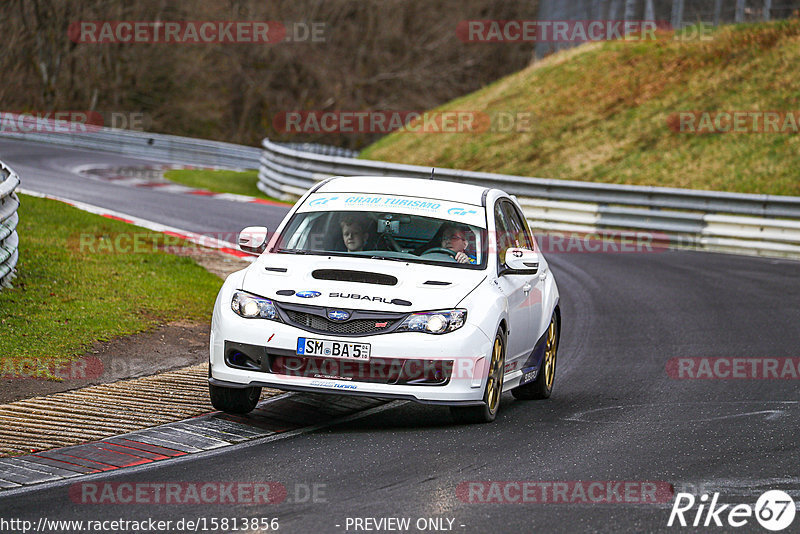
(161, 147)
(9, 241)
(711, 220)
(735, 222)
(325, 150)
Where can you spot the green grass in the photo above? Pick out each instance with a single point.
(240, 183)
(600, 112)
(84, 278)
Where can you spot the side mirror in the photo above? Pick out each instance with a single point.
(521, 261)
(253, 239)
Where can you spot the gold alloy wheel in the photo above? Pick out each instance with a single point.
(550, 355)
(495, 380)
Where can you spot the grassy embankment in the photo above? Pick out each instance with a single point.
(84, 278)
(600, 113)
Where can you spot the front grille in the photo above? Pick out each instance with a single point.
(360, 323)
(353, 327)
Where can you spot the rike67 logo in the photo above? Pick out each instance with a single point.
(774, 510)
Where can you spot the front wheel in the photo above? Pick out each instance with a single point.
(542, 387)
(487, 412)
(234, 400)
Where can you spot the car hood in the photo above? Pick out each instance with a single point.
(419, 287)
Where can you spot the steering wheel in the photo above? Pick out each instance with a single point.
(440, 250)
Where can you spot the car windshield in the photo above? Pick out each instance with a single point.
(385, 235)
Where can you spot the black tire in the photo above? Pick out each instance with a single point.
(542, 387)
(234, 400)
(487, 412)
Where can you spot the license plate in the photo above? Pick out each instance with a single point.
(332, 349)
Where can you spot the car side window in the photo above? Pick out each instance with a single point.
(502, 233)
(517, 227)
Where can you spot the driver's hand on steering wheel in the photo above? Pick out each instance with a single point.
(462, 258)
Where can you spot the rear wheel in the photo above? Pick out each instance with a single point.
(487, 412)
(234, 400)
(542, 387)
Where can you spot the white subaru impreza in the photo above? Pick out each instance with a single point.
(393, 288)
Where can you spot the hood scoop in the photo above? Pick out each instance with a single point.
(362, 277)
(436, 283)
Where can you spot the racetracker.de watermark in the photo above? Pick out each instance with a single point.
(70, 122)
(196, 32)
(85, 368)
(50, 122)
(206, 492)
(733, 368)
(145, 242)
(734, 121)
(564, 492)
(558, 31)
(88, 367)
(386, 122)
(603, 242)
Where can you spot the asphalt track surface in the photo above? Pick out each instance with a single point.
(615, 414)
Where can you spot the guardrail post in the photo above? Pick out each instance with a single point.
(677, 14)
(739, 15)
(649, 11)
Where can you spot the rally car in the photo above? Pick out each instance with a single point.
(394, 288)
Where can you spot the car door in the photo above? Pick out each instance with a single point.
(516, 290)
(530, 305)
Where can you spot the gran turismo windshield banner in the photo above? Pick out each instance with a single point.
(440, 209)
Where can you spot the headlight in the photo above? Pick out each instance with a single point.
(435, 322)
(251, 306)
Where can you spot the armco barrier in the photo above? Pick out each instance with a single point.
(160, 147)
(9, 241)
(734, 222)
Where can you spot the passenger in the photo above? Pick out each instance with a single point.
(354, 233)
(454, 237)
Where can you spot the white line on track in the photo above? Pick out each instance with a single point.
(225, 247)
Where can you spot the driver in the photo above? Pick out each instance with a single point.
(454, 237)
(354, 233)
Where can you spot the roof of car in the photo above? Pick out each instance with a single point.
(433, 189)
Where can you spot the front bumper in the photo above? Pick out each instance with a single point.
(463, 352)
(315, 389)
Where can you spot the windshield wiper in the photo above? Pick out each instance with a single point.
(291, 251)
(387, 258)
